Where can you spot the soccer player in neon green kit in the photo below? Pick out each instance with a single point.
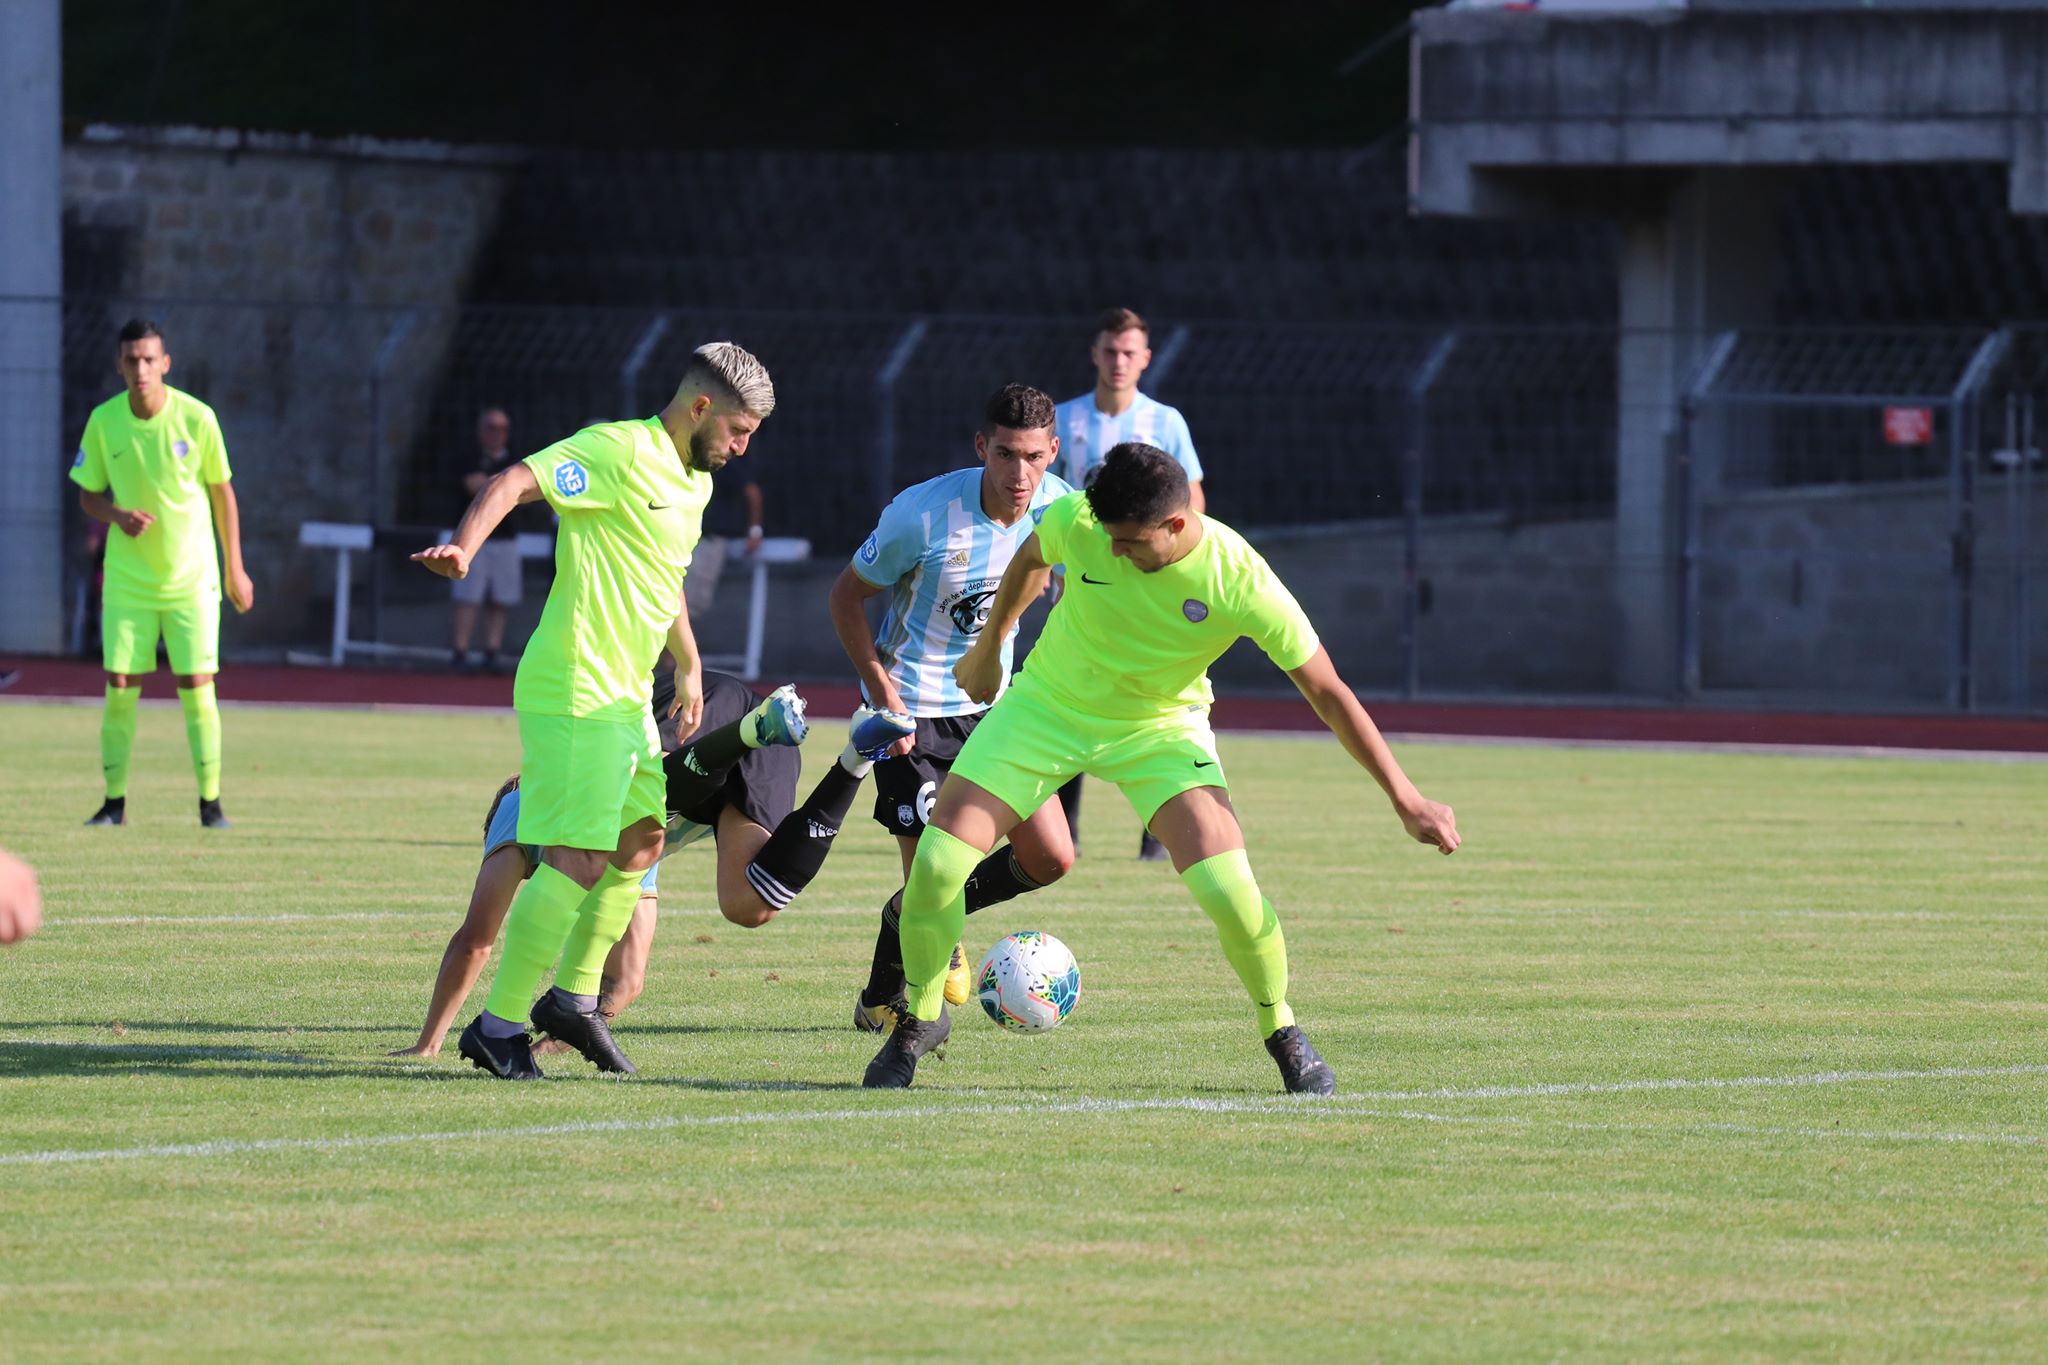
(152, 465)
(631, 499)
(1117, 687)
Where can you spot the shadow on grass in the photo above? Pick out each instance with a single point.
(26, 1060)
(194, 1026)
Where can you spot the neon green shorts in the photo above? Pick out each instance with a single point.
(582, 779)
(1028, 745)
(190, 630)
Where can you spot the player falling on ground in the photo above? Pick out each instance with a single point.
(1096, 423)
(630, 496)
(769, 848)
(153, 466)
(939, 552)
(1117, 686)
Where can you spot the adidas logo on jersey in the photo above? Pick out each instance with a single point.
(957, 558)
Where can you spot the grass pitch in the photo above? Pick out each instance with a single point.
(1687, 1056)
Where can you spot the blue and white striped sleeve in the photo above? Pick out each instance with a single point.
(893, 547)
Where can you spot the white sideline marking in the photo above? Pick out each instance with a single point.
(1342, 1108)
(1813, 1078)
(452, 915)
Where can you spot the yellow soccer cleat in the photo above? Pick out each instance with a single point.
(959, 985)
(876, 1018)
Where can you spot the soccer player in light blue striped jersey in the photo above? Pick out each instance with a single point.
(1091, 426)
(939, 552)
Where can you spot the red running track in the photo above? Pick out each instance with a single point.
(388, 687)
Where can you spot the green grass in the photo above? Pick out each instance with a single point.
(1614, 917)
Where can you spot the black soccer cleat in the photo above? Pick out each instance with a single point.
(509, 1059)
(588, 1033)
(210, 815)
(1301, 1066)
(895, 1065)
(113, 811)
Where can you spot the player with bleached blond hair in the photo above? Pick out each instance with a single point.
(631, 498)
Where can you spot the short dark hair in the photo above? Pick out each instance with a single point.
(138, 329)
(1117, 321)
(1138, 483)
(1018, 407)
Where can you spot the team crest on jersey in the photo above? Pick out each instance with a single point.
(870, 550)
(78, 460)
(1195, 610)
(570, 479)
(970, 611)
(181, 448)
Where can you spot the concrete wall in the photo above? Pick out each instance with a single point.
(279, 270)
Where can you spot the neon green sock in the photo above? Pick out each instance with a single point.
(117, 737)
(539, 920)
(202, 734)
(601, 921)
(934, 913)
(1228, 893)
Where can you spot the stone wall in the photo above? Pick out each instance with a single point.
(280, 270)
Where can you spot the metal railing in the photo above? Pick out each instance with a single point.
(1444, 498)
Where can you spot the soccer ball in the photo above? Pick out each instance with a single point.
(1028, 982)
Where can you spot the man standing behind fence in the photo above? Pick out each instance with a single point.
(1094, 424)
(152, 465)
(593, 792)
(493, 581)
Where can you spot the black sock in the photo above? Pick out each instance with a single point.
(1070, 802)
(797, 848)
(885, 976)
(697, 771)
(997, 878)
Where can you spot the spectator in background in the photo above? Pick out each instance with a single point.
(1091, 426)
(730, 515)
(493, 583)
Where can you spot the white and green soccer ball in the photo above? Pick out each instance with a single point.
(1028, 982)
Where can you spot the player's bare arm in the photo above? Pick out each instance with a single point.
(980, 670)
(21, 900)
(100, 507)
(504, 492)
(682, 647)
(850, 593)
(227, 524)
(1429, 822)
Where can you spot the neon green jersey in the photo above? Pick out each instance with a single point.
(160, 465)
(631, 514)
(1129, 645)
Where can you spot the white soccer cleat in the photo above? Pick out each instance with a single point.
(874, 732)
(779, 719)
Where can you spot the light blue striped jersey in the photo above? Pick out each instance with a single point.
(1087, 435)
(940, 558)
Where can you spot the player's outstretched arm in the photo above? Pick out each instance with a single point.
(227, 520)
(504, 492)
(1427, 821)
(21, 900)
(980, 670)
(462, 962)
(846, 602)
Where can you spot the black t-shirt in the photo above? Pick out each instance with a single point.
(532, 516)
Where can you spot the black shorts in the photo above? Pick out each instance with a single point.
(762, 785)
(905, 787)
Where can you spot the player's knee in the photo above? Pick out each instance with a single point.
(1050, 866)
(748, 911)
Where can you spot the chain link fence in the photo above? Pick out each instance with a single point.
(1859, 517)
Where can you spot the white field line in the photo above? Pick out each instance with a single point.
(452, 915)
(1351, 1107)
(1813, 1078)
(1318, 736)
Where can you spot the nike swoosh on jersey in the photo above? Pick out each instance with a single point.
(1098, 582)
(659, 506)
(1200, 764)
